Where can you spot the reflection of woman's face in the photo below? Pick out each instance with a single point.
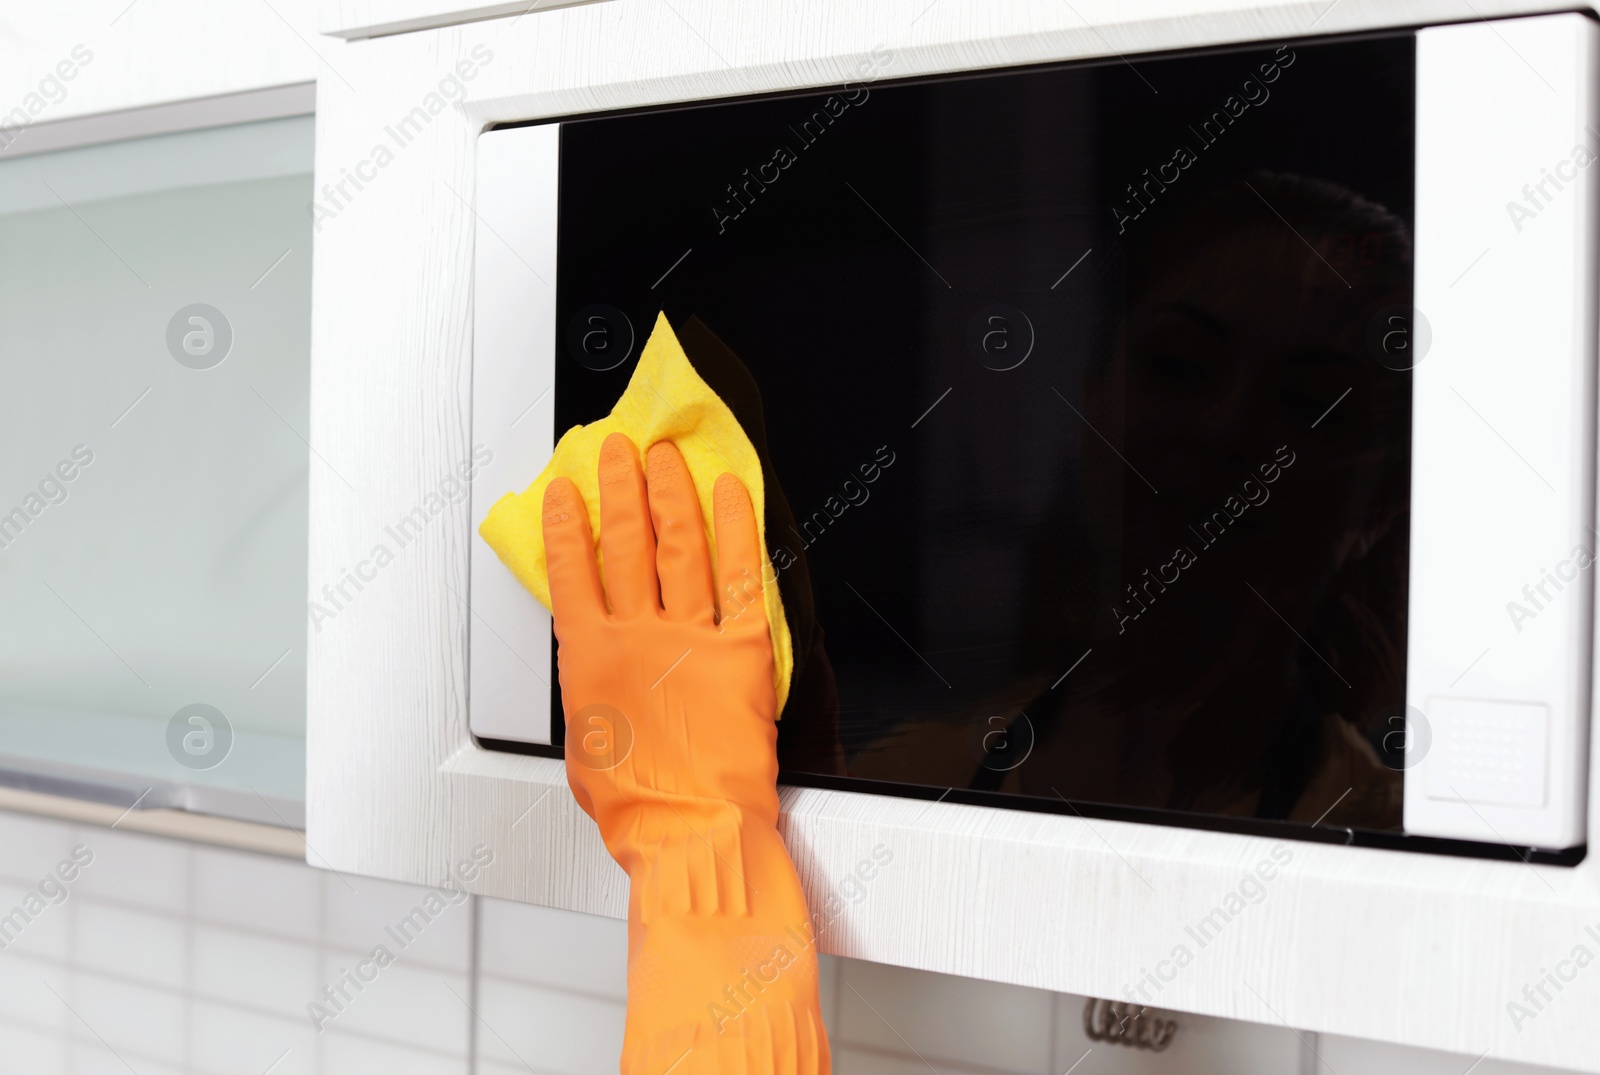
(1243, 393)
(1237, 351)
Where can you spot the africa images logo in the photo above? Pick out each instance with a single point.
(741, 194)
(1251, 94)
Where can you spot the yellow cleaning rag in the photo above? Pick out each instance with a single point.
(665, 400)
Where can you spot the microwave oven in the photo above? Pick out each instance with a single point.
(1201, 438)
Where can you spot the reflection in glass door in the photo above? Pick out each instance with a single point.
(154, 415)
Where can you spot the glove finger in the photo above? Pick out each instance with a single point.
(626, 538)
(575, 594)
(739, 559)
(682, 559)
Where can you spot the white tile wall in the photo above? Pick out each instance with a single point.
(952, 1023)
(552, 989)
(175, 959)
(359, 914)
(1352, 1055)
(560, 949)
(553, 1032)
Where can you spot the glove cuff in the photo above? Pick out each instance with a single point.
(691, 857)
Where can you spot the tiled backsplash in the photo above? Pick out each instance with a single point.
(167, 957)
(164, 958)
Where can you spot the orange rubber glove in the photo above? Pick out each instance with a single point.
(671, 748)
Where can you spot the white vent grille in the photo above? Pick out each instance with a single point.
(1492, 753)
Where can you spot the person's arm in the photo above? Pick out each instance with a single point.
(671, 748)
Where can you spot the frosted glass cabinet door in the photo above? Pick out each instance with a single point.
(154, 407)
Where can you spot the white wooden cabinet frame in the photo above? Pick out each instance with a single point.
(1400, 947)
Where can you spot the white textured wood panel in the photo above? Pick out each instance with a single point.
(374, 18)
(154, 52)
(1398, 947)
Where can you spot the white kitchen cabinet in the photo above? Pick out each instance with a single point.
(157, 265)
(1391, 946)
(157, 361)
(1387, 946)
(1399, 947)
